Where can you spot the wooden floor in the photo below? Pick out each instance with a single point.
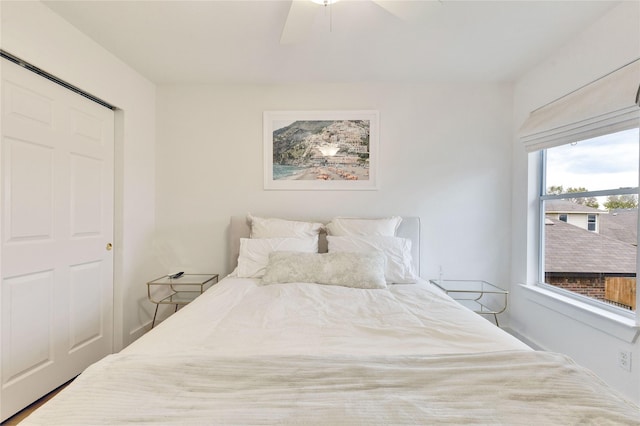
(21, 415)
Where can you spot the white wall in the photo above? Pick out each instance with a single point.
(611, 42)
(34, 33)
(445, 152)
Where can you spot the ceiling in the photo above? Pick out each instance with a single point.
(191, 42)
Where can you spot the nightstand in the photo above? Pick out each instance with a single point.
(475, 295)
(182, 290)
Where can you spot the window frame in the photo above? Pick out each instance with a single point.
(541, 198)
(607, 104)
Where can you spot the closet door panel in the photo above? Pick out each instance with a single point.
(56, 272)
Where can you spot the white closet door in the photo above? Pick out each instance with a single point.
(56, 298)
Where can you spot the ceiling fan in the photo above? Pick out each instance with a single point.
(302, 14)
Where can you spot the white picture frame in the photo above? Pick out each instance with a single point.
(320, 150)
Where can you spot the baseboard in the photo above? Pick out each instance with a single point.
(524, 339)
(137, 333)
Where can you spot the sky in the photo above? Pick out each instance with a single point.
(279, 124)
(605, 162)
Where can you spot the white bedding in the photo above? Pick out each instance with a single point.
(300, 353)
(241, 317)
(500, 388)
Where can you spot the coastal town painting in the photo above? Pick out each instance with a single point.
(320, 150)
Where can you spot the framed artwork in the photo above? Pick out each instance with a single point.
(320, 150)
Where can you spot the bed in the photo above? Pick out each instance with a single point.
(288, 338)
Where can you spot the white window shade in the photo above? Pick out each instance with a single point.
(607, 105)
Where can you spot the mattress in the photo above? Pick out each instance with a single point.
(246, 353)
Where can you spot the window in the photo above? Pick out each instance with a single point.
(587, 143)
(591, 251)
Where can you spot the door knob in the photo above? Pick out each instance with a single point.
(109, 246)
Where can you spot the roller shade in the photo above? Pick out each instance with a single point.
(607, 105)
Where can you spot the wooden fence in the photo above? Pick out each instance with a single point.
(621, 290)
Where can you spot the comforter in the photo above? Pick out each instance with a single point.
(303, 353)
(500, 388)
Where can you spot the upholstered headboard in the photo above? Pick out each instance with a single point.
(239, 228)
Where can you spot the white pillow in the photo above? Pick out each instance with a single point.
(280, 228)
(254, 253)
(348, 269)
(343, 226)
(397, 251)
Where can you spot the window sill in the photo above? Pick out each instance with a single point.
(624, 328)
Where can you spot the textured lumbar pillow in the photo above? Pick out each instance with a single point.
(348, 269)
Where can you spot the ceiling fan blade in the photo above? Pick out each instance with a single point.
(410, 10)
(299, 21)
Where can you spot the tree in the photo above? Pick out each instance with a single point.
(555, 190)
(583, 201)
(621, 202)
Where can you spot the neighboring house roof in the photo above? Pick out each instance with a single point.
(563, 206)
(621, 224)
(569, 248)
